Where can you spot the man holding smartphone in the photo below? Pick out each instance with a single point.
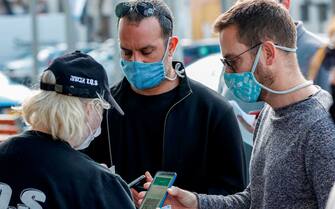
(293, 158)
(171, 122)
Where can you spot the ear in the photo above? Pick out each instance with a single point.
(269, 52)
(173, 45)
(88, 107)
(286, 4)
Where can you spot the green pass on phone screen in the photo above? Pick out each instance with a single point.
(156, 194)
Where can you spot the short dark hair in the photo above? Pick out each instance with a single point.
(258, 21)
(161, 11)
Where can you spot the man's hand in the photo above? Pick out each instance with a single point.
(181, 199)
(177, 198)
(138, 196)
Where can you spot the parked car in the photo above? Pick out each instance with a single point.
(11, 94)
(20, 70)
(207, 71)
(194, 50)
(104, 55)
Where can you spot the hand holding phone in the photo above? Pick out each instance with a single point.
(137, 183)
(157, 191)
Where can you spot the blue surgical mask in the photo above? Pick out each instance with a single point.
(146, 75)
(245, 86)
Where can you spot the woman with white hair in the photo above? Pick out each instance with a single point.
(41, 168)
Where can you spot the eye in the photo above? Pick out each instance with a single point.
(232, 64)
(147, 51)
(127, 53)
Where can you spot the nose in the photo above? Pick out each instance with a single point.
(137, 57)
(228, 70)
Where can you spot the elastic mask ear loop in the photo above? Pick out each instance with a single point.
(286, 48)
(165, 54)
(97, 111)
(298, 87)
(179, 70)
(254, 66)
(112, 168)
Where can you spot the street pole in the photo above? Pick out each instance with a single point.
(34, 41)
(115, 36)
(71, 39)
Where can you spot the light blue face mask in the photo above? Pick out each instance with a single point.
(146, 75)
(245, 86)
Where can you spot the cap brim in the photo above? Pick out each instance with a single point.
(114, 104)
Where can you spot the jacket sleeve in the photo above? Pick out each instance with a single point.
(226, 158)
(237, 201)
(114, 194)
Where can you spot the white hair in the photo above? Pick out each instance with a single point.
(60, 115)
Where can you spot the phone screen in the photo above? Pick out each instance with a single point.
(156, 194)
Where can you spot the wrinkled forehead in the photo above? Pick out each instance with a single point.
(147, 32)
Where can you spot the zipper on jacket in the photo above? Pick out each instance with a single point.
(166, 116)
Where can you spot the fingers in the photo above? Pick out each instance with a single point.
(134, 193)
(139, 203)
(136, 197)
(147, 185)
(141, 195)
(149, 180)
(173, 191)
(148, 176)
(185, 198)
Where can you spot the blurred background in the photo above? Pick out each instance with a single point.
(34, 32)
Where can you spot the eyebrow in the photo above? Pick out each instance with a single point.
(143, 48)
(124, 49)
(229, 56)
(148, 47)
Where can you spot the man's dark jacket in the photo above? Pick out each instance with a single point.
(201, 141)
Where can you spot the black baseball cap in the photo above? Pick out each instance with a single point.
(79, 75)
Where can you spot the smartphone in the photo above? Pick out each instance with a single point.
(138, 183)
(157, 191)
